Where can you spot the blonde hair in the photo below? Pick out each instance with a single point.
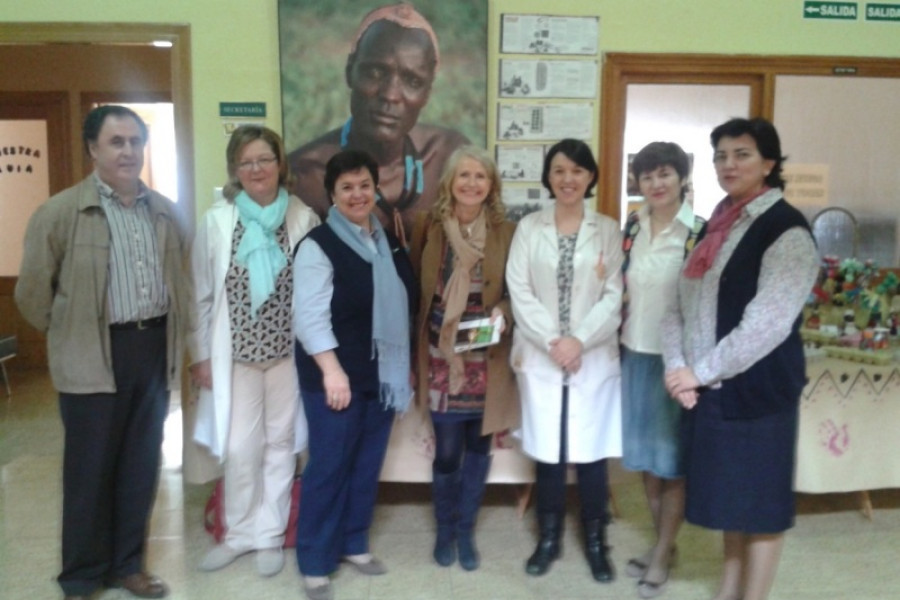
(246, 134)
(493, 206)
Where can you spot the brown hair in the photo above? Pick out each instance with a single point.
(443, 206)
(242, 136)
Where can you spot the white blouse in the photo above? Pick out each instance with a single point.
(652, 279)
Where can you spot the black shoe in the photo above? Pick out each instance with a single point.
(548, 550)
(595, 551)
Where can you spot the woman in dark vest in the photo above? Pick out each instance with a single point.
(352, 316)
(734, 357)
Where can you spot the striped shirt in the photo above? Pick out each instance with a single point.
(136, 288)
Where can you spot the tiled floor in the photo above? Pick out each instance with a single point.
(833, 553)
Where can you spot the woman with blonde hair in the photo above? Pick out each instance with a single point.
(243, 346)
(459, 252)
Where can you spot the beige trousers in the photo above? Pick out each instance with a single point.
(259, 460)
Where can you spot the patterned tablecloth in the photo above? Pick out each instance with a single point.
(849, 434)
(411, 450)
(849, 425)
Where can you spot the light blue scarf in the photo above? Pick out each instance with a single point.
(390, 310)
(259, 251)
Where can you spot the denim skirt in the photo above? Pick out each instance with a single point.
(651, 419)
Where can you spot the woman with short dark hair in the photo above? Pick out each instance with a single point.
(566, 289)
(658, 237)
(734, 357)
(352, 322)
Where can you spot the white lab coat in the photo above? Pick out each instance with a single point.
(210, 258)
(594, 420)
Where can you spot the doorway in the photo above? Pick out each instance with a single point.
(115, 39)
(833, 115)
(110, 47)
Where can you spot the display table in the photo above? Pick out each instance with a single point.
(849, 415)
(411, 450)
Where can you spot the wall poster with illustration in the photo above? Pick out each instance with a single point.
(405, 82)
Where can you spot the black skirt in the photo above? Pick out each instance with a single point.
(739, 472)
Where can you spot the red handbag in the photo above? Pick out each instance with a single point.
(214, 514)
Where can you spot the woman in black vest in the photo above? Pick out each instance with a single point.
(351, 319)
(734, 357)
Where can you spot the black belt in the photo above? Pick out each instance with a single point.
(150, 323)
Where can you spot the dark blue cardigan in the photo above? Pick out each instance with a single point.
(773, 384)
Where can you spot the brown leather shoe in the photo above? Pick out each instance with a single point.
(143, 585)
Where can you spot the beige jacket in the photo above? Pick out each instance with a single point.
(501, 409)
(62, 287)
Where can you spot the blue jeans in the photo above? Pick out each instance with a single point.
(340, 481)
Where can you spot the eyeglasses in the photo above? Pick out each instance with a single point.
(260, 163)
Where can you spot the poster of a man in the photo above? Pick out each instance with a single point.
(391, 72)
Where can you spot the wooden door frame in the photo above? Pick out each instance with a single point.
(179, 35)
(759, 72)
(54, 108)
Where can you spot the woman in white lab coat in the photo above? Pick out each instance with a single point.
(564, 279)
(243, 345)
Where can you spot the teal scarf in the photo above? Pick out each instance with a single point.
(259, 251)
(390, 310)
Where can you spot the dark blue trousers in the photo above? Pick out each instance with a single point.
(111, 464)
(340, 481)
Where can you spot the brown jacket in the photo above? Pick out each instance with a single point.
(502, 409)
(62, 287)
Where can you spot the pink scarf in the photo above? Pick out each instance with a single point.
(717, 230)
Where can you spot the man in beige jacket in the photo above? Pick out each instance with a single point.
(103, 275)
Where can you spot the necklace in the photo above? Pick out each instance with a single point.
(413, 180)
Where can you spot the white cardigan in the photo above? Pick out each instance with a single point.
(210, 258)
(594, 420)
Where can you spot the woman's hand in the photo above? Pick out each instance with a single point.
(201, 374)
(337, 389)
(496, 313)
(681, 380)
(566, 352)
(687, 399)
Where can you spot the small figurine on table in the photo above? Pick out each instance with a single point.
(850, 327)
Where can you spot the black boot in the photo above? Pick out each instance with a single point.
(548, 550)
(474, 475)
(445, 496)
(595, 550)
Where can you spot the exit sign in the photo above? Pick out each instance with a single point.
(843, 11)
(882, 12)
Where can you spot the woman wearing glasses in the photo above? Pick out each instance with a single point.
(243, 346)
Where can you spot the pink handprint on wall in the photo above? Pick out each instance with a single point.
(835, 439)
